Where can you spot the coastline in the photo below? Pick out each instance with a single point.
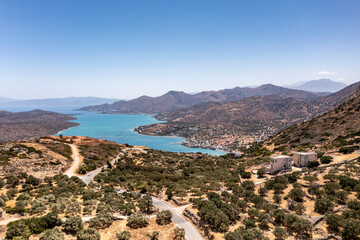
(186, 142)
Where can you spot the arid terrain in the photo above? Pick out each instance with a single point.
(32, 124)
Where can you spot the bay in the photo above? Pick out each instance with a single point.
(120, 128)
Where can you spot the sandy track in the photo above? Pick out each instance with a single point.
(75, 165)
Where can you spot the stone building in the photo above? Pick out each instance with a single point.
(300, 159)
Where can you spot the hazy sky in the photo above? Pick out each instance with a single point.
(124, 49)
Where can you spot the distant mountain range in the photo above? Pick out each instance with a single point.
(321, 85)
(52, 103)
(36, 123)
(174, 100)
(256, 117)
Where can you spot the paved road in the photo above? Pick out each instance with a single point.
(191, 232)
(89, 176)
(76, 157)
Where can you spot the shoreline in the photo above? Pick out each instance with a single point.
(179, 140)
(186, 142)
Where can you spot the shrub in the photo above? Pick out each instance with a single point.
(297, 194)
(346, 150)
(351, 229)
(137, 220)
(302, 226)
(312, 164)
(326, 159)
(334, 222)
(277, 198)
(323, 205)
(124, 235)
(73, 224)
(18, 229)
(179, 234)
(52, 234)
(280, 233)
(261, 172)
(248, 185)
(73, 209)
(153, 236)
(88, 234)
(101, 221)
(164, 217)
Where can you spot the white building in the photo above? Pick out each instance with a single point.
(300, 159)
(278, 163)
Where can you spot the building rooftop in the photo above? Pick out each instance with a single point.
(280, 156)
(305, 153)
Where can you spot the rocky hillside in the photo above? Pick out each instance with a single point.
(246, 120)
(174, 100)
(336, 128)
(36, 123)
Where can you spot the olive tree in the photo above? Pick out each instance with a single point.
(88, 234)
(52, 234)
(73, 224)
(163, 217)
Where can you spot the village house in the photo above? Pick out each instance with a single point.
(300, 159)
(279, 163)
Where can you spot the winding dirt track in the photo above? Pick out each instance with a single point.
(76, 157)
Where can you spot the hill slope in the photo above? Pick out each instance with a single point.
(174, 100)
(36, 123)
(234, 123)
(336, 128)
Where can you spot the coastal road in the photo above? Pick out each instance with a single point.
(191, 232)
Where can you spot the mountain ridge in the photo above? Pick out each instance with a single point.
(174, 100)
(257, 117)
(319, 85)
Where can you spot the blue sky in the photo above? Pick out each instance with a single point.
(125, 49)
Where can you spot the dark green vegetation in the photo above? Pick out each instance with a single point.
(178, 174)
(57, 146)
(96, 155)
(60, 195)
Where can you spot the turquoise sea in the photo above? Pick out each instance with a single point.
(120, 128)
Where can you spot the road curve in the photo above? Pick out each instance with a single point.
(191, 232)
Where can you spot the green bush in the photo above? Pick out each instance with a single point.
(73, 224)
(137, 220)
(53, 234)
(312, 164)
(88, 234)
(179, 233)
(346, 150)
(163, 217)
(124, 235)
(326, 159)
(323, 205)
(18, 229)
(101, 221)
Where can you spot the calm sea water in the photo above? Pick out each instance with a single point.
(120, 128)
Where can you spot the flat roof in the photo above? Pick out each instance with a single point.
(305, 153)
(281, 156)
